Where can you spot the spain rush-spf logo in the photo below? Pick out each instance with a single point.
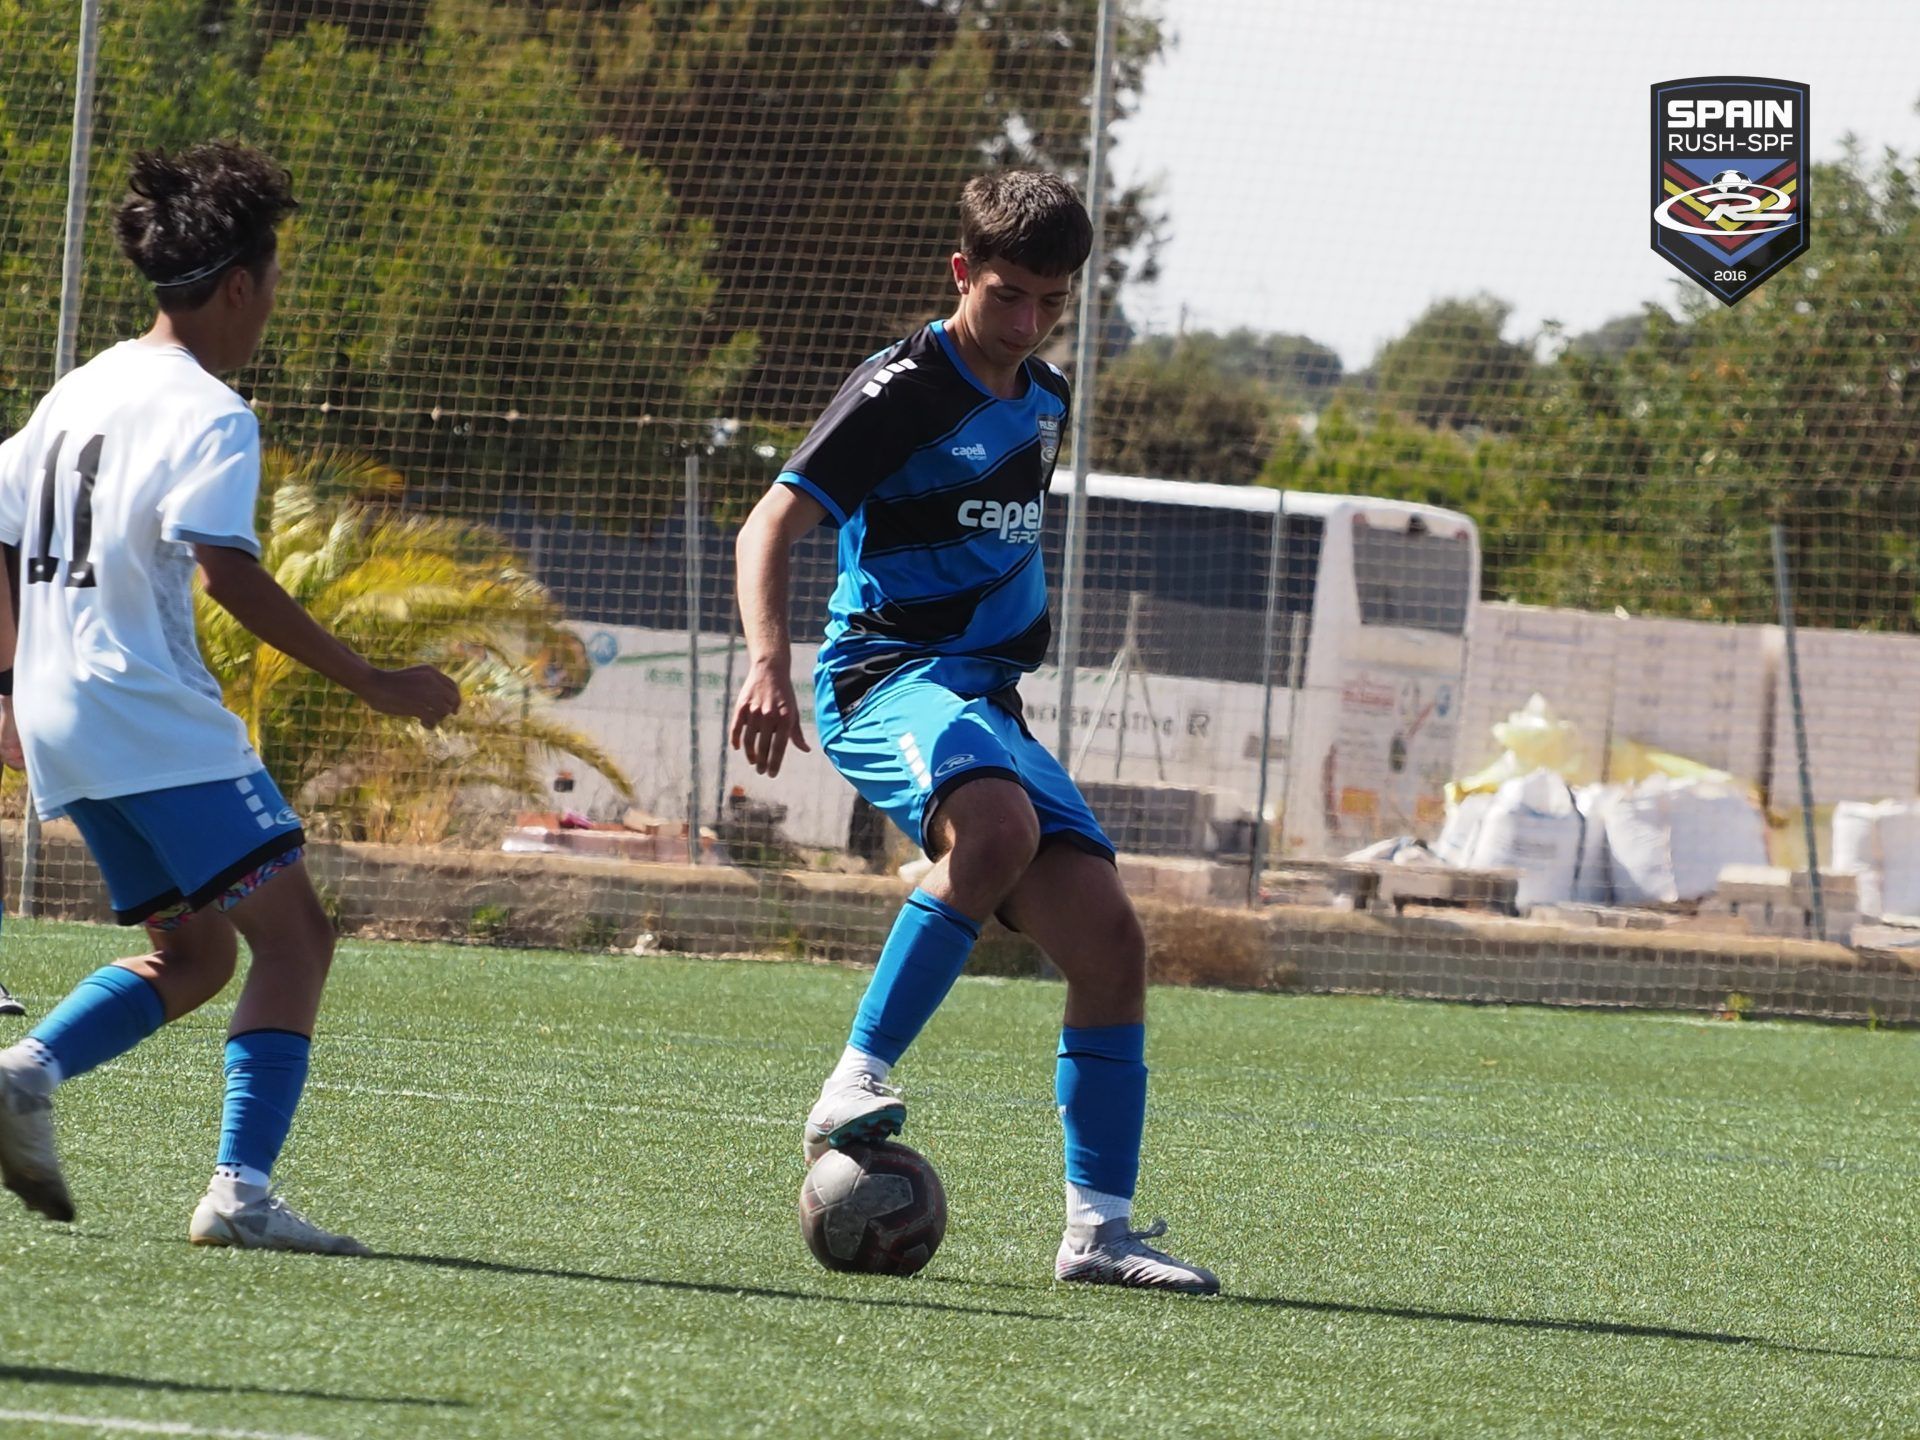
(1730, 178)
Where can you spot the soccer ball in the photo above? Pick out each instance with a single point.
(1730, 180)
(873, 1209)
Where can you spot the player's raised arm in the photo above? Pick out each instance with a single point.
(766, 717)
(246, 590)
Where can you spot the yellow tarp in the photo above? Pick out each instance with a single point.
(1534, 738)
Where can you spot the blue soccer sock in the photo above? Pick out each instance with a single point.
(266, 1070)
(105, 1015)
(924, 954)
(1100, 1084)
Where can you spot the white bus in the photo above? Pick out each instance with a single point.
(1377, 594)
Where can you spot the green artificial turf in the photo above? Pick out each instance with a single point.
(580, 1173)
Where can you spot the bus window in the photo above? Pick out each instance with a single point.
(1413, 578)
(1195, 579)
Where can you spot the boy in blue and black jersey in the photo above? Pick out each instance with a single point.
(933, 461)
(938, 487)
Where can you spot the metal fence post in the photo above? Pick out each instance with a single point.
(1783, 590)
(67, 341)
(693, 659)
(1086, 358)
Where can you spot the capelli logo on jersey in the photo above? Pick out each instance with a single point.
(1015, 523)
(969, 452)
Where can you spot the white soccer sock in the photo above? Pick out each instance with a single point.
(36, 1060)
(237, 1184)
(1088, 1206)
(858, 1062)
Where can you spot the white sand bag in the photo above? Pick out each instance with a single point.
(1457, 836)
(1533, 827)
(1899, 847)
(1668, 840)
(1856, 852)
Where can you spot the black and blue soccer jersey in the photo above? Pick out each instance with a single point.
(939, 489)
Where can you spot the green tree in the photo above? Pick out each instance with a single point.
(481, 286)
(171, 83)
(1179, 416)
(1300, 373)
(1454, 369)
(1667, 466)
(382, 22)
(1348, 452)
(402, 590)
(1644, 464)
(1611, 339)
(490, 291)
(825, 144)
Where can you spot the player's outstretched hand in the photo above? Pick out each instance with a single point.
(766, 718)
(419, 691)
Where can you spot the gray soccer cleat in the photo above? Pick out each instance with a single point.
(28, 1161)
(267, 1223)
(9, 1005)
(1111, 1254)
(854, 1110)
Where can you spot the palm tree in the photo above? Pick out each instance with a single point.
(401, 589)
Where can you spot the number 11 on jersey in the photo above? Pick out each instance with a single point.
(42, 564)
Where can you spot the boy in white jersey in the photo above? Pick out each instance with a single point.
(136, 468)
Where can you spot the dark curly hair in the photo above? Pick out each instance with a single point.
(192, 216)
(1031, 217)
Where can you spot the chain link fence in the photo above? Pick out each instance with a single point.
(569, 280)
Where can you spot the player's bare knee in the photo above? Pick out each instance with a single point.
(287, 925)
(996, 839)
(314, 939)
(189, 964)
(216, 956)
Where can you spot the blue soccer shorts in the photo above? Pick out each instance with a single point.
(911, 742)
(167, 853)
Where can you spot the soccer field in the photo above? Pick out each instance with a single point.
(580, 1175)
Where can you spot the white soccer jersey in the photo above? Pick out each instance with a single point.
(129, 460)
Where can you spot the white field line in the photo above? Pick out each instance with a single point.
(681, 1113)
(144, 1427)
(602, 1107)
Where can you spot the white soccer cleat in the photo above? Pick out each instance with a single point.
(29, 1163)
(1111, 1254)
(854, 1109)
(265, 1223)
